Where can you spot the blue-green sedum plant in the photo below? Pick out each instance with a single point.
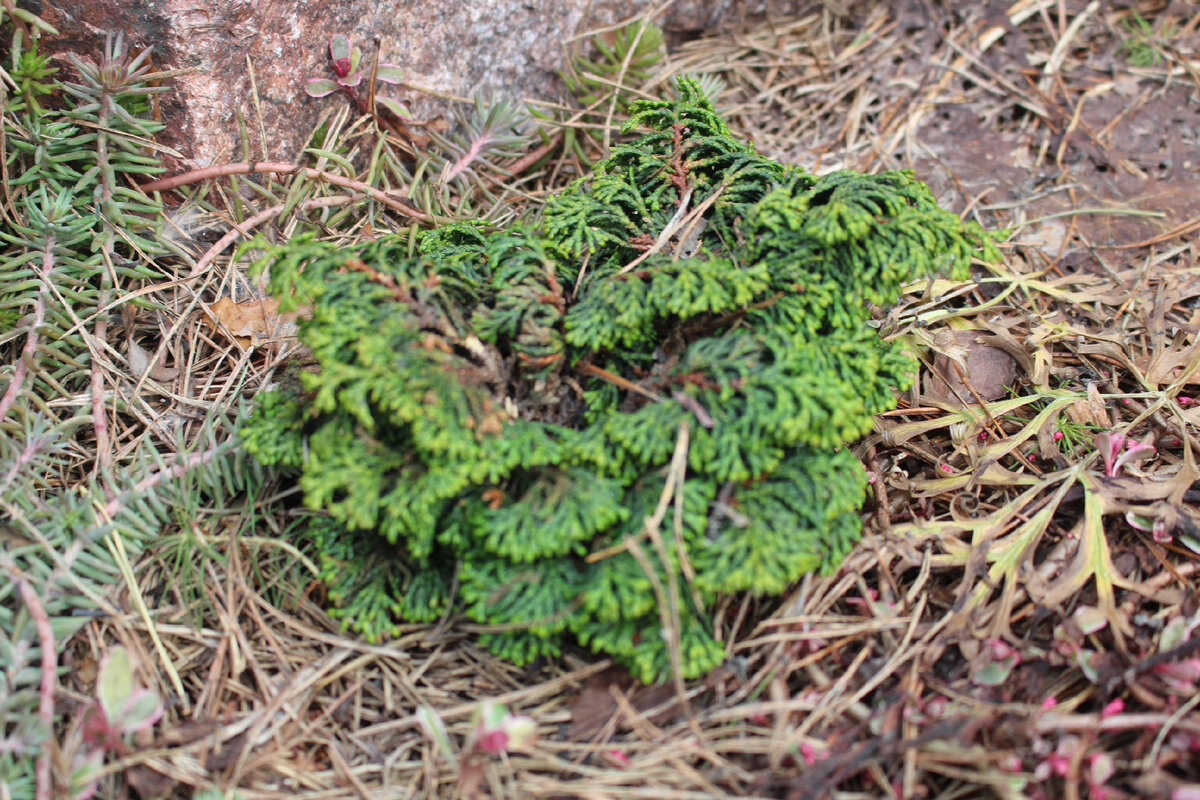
(492, 414)
(77, 242)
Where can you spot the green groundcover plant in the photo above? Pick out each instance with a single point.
(592, 426)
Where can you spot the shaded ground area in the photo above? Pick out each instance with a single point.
(1020, 618)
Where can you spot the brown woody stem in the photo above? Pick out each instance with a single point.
(248, 167)
(41, 622)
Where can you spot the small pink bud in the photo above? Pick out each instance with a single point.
(1182, 675)
(1049, 703)
(872, 596)
(1002, 650)
(810, 754)
(617, 757)
(497, 731)
(946, 468)
(1058, 435)
(1113, 708)
(493, 742)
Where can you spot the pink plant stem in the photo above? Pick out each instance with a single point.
(31, 340)
(41, 621)
(21, 462)
(253, 222)
(472, 153)
(247, 167)
(1049, 723)
(162, 476)
(196, 175)
(529, 159)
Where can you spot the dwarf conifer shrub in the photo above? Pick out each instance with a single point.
(492, 415)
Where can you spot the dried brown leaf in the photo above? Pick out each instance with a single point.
(252, 320)
(596, 705)
(1169, 365)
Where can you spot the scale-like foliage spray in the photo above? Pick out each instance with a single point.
(493, 415)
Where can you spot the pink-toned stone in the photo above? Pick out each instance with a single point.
(503, 47)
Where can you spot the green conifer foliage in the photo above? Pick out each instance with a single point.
(502, 406)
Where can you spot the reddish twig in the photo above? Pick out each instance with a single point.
(248, 167)
(247, 225)
(538, 361)
(1179, 230)
(171, 473)
(383, 279)
(41, 621)
(245, 168)
(678, 169)
(31, 341)
(219, 171)
(481, 141)
(617, 380)
(28, 453)
(1075, 723)
(529, 159)
(555, 295)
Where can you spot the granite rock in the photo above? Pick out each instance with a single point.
(502, 47)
